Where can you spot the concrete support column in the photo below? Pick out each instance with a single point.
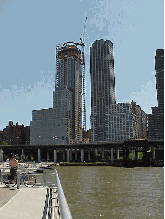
(153, 153)
(96, 151)
(71, 154)
(111, 155)
(47, 155)
(55, 156)
(133, 157)
(68, 155)
(75, 154)
(89, 157)
(103, 154)
(117, 154)
(63, 154)
(82, 155)
(137, 153)
(1, 155)
(39, 155)
(22, 155)
(31, 155)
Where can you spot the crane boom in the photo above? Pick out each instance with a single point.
(83, 76)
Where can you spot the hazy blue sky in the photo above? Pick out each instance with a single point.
(30, 31)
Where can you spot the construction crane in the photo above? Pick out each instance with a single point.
(83, 75)
(83, 72)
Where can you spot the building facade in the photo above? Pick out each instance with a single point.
(62, 124)
(69, 76)
(16, 134)
(125, 121)
(47, 127)
(141, 128)
(102, 86)
(156, 118)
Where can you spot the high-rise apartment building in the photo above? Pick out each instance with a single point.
(69, 77)
(62, 124)
(125, 121)
(156, 119)
(102, 86)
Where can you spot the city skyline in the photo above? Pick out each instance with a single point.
(28, 51)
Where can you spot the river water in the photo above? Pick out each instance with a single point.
(112, 192)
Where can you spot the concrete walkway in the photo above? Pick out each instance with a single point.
(27, 203)
(6, 194)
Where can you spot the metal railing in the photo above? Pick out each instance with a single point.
(56, 206)
(64, 208)
(51, 208)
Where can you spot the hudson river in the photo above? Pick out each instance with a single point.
(112, 192)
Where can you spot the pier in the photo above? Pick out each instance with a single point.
(38, 201)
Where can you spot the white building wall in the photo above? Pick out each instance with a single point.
(119, 122)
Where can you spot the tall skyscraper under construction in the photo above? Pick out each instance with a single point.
(69, 81)
(102, 86)
(156, 119)
(62, 124)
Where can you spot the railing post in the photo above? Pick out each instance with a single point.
(18, 180)
(46, 205)
(1, 176)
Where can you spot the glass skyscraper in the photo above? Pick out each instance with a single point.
(102, 86)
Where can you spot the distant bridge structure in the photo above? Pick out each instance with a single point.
(84, 152)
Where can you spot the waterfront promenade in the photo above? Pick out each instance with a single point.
(26, 203)
(33, 201)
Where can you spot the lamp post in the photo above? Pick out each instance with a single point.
(55, 138)
(39, 138)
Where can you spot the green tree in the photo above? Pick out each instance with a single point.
(4, 143)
